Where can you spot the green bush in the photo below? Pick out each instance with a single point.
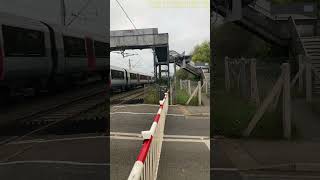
(152, 96)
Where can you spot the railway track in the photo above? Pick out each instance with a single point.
(62, 117)
(123, 98)
(41, 120)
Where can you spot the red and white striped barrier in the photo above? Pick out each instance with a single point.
(146, 165)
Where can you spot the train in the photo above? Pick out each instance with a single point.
(39, 55)
(124, 79)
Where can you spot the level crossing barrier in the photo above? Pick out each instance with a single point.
(146, 165)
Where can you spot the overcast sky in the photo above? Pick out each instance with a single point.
(93, 18)
(187, 27)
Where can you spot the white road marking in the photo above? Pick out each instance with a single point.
(183, 140)
(133, 113)
(56, 140)
(145, 113)
(54, 162)
(177, 115)
(126, 138)
(167, 138)
(224, 169)
(128, 105)
(186, 137)
(281, 176)
(125, 134)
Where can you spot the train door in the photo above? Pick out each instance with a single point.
(54, 52)
(126, 78)
(1, 58)
(90, 54)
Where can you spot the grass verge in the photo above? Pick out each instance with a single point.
(182, 98)
(232, 115)
(151, 96)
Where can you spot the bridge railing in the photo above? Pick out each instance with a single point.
(146, 165)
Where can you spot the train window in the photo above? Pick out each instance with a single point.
(117, 74)
(143, 77)
(23, 42)
(133, 76)
(74, 47)
(101, 49)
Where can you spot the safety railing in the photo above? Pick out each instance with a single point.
(146, 165)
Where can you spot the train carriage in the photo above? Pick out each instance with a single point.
(38, 55)
(25, 51)
(118, 78)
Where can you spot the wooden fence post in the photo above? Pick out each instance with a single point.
(192, 95)
(265, 104)
(199, 93)
(243, 77)
(171, 93)
(253, 82)
(189, 87)
(300, 77)
(308, 81)
(206, 86)
(226, 74)
(286, 101)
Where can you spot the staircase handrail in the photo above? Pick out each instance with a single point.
(296, 38)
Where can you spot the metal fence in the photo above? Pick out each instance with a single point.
(146, 165)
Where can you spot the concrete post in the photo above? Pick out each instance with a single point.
(171, 93)
(300, 77)
(253, 82)
(286, 101)
(199, 93)
(226, 74)
(174, 83)
(308, 81)
(189, 87)
(206, 86)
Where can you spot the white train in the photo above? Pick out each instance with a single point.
(123, 79)
(39, 55)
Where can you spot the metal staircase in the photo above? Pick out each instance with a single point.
(312, 48)
(183, 61)
(281, 31)
(256, 19)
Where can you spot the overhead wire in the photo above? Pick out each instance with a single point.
(127, 15)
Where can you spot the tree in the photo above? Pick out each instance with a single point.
(201, 53)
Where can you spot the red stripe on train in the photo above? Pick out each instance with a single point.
(90, 54)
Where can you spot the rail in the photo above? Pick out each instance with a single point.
(146, 165)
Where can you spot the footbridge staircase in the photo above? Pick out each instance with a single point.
(299, 33)
(183, 61)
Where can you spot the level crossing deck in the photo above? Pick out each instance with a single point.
(185, 149)
(64, 157)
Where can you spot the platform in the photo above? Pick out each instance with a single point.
(185, 149)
